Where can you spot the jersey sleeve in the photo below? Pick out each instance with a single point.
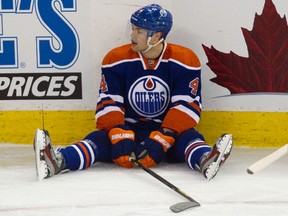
(185, 110)
(110, 109)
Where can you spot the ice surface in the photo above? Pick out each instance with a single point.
(106, 189)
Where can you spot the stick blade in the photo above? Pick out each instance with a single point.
(179, 207)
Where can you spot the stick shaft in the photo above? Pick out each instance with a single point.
(164, 181)
(269, 159)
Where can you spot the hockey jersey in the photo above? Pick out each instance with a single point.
(165, 92)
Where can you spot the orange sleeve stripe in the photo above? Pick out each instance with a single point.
(122, 109)
(178, 121)
(195, 106)
(87, 156)
(109, 120)
(104, 102)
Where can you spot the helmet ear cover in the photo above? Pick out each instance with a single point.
(151, 33)
(153, 18)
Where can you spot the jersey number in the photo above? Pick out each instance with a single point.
(194, 86)
(103, 84)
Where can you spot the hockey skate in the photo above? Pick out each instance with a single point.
(213, 160)
(48, 163)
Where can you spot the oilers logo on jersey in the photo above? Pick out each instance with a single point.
(149, 96)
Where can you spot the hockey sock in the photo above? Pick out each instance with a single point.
(80, 155)
(194, 152)
(94, 147)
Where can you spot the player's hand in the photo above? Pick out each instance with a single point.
(122, 139)
(152, 151)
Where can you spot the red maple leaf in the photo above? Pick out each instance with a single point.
(266, 68)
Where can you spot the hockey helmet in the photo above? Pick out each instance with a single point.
(153, 18)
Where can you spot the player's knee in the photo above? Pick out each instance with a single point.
(101, 139)
(190, 135)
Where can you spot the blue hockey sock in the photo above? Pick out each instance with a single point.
(94, 147)
(194, 152)
(80, 155)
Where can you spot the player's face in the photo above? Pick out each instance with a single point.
(138, 39)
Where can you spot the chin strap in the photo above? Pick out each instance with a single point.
(150, 46)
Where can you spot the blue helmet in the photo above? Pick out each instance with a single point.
(153, 18)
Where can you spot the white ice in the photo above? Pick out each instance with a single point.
(106, 189)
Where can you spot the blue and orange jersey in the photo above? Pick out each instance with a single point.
(165, 92)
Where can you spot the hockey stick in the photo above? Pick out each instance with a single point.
(266, 161)
(178, 207)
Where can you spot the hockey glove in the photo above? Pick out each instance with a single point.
(152, 151)
(122, 139)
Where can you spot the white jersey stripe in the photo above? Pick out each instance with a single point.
(120, 62)
(117, 98)
(184, 65)
(107, 110)
(80, 156)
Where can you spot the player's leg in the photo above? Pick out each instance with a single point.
(80, 155)
(192, 148)
(189, 147)
(84, 153)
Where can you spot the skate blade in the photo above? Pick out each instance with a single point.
(39, 145)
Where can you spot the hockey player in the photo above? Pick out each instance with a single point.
(149, 103)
